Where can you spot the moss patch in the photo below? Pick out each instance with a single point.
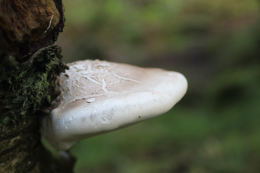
(26, 88)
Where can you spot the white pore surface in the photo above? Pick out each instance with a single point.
(99, 96)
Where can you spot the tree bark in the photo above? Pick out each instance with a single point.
(26, 26)
(29, 65)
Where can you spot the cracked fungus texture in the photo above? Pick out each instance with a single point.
(89, 81)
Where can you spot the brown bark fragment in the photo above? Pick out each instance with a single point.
(21, 18)
(26, 26)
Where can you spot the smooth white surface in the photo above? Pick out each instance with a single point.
(99, 96)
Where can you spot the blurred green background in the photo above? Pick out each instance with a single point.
(215, 43)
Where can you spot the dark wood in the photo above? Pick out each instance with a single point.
(28, 25)
(29, 66)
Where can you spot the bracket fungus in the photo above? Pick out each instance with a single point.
(100, 96)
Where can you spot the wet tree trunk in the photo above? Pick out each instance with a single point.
(29, 65)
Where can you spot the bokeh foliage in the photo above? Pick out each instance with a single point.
(216, 44)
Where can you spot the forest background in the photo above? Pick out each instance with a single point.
(215, 43)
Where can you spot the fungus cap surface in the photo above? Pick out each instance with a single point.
(100, 96)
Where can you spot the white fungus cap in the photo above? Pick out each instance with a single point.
(100, 96)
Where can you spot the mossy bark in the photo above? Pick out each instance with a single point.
(26, 92)
(29, 65)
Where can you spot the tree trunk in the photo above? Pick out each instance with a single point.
(29, 65)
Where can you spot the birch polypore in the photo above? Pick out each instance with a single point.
(99, 96)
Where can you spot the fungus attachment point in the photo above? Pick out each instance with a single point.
(99, 96)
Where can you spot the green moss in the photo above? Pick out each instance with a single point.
(6, 120)
(25, 89)
(30, 86)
